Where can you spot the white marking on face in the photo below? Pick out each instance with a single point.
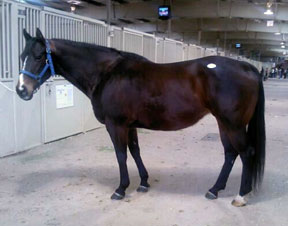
(21, 76)
(211, 66)
(21, 81)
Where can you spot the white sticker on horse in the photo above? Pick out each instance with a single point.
(211, 66)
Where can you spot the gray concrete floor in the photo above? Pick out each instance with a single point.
(69, 182)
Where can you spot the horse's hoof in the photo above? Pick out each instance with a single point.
(117, 196)
(142, 188)
(211, 196)
(239, 201)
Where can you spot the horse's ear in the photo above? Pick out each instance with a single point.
(26, 35)
(39, 35)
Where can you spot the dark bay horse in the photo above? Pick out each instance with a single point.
(128, 91)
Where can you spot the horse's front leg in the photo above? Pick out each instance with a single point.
(119, 137)
(135, 152)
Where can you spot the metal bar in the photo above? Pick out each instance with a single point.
(1, 51)
(9, 47)
(4, 41)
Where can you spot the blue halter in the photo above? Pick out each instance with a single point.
(49, 64)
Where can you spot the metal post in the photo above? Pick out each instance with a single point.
(108, 7)
(225, 42)
(15, 68)
(169, 28)
(199, 37)
(217, 46)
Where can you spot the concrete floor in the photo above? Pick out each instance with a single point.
(69, 182)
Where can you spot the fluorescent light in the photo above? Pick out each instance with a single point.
(268, 12)
(277, 33)
(283, 47)
(74, 2)
(282, 43)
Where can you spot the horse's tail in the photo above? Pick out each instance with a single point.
(257, 138)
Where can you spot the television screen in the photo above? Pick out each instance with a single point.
(238, 45)
(164, 12)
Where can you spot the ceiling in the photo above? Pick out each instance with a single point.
(208, 23)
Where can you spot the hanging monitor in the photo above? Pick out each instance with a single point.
(238, 45)
(164, 12)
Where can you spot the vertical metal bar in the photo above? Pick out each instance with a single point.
(62, 28)
(55, 35)
(15, 65)
(75, 31)
(43, 26)
(9, 47)
(33, 20)
(61, 25)
(30, 22)
(54, 26)
(108, 7)
(199, 37)
(142, 44)
(38, 19)
(50, 25)
(1, 32)
(4, 41)
(65, 28)
(70, 30)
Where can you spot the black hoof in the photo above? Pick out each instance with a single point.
(142, 188)
(117, 196)
(211, 196)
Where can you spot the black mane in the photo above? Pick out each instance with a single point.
(102, 49)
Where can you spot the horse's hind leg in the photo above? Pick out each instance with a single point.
(246, 179)
(135, 152)
(230, 156)
(239, 141)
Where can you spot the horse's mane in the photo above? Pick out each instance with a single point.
(102, 49)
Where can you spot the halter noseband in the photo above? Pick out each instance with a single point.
(49, 64)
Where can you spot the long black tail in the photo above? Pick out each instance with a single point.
(257, 138)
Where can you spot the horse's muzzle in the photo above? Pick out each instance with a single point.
(23, 93)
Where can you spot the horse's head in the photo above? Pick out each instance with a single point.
(36, 63)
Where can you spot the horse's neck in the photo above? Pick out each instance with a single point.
(81, 66)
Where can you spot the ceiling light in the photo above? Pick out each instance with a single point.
(268, 10)
(283, 47)
(73, 8)
(282, 43)
(277, 33)
(284, 53)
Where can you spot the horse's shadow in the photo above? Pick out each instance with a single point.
(190, 181)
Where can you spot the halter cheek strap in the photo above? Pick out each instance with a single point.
(49, 64)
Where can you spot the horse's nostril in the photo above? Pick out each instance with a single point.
(23, 91)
